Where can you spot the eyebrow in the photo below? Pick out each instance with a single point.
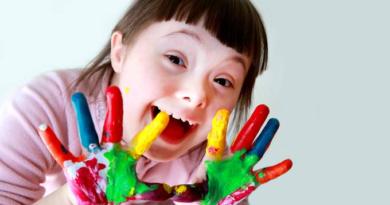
(188, 33)
(240, 60)
(195, 36)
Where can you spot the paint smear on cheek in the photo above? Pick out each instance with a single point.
(127, 90)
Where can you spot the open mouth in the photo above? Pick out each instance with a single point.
(177, 129)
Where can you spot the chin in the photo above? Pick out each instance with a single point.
(162, 154)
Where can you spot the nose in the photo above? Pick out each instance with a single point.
(193, 95)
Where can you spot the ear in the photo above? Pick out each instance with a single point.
(117, 51)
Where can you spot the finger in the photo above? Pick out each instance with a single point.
(88, 136)
(144, 139)
(249, 131)
(270, 173)
(113, 127)
(55, 147)
(262, 142)
(216, 139)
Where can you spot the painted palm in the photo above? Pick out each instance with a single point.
(107, 174)
(232, 179)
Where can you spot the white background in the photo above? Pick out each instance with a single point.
(327, 82)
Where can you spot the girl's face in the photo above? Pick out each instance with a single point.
(180, 69)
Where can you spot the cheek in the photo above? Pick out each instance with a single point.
(223, 103)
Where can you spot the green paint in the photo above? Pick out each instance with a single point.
(226, 176)
(261, 174)
(122, 177)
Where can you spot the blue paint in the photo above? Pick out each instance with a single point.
(87, 132)
(264, 139)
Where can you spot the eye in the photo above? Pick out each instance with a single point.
(224, 82)
(176, 60)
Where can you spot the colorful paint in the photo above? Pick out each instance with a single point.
(269, 173)
(216, 138)
(87, 132)
(264, 139)
(189, 192)
(113, 124)
(127, 90)
(108, 174)
(232, 179)
(226, 176)
(122, 179)
(55, 147)
(250, 129)
(85, 183)
(142, 141)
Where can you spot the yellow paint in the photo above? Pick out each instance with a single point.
(127, 90)
(131, 192)
(167, 188)
(216, 138)
(180, 189)
(144, 139)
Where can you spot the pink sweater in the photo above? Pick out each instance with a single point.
(28, 171)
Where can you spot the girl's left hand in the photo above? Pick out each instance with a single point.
(232, 179)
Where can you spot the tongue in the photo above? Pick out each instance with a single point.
(175, 131)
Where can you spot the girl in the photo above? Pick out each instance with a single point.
(187, 58)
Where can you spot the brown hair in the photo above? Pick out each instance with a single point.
(236, 23)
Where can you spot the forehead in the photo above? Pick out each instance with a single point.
(173, 30)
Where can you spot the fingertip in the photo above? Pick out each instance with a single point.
(274, 123)
(113, 90)
(43, 127)
(77, 97)
(262, 109)
(288, 163)
(163, 118)
(222, 115)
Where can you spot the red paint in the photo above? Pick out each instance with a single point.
(273, 172)
(237, 196)
(249, 131)
(85, 185)
(212, 150)
(57, 150)
(113, 127)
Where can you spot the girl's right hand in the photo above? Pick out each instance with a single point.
(108, 173)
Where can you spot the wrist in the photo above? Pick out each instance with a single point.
(60, 196)
(68, 195)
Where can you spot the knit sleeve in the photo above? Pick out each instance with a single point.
(24, 159)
